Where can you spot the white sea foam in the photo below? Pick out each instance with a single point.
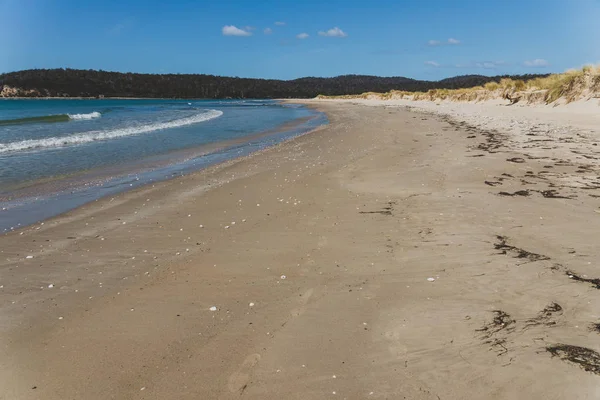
(91, 115)
(93, 136)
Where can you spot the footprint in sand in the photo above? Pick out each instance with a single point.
(296, 312)
(238, 381)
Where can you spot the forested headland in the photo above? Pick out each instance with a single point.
(91, 83)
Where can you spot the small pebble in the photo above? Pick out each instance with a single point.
(213, 308)
(431, 279)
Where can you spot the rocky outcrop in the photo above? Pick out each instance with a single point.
(8, 91)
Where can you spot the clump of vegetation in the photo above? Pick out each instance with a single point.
(569, 86)
(491, 86)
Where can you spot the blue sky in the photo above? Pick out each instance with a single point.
(424, 39)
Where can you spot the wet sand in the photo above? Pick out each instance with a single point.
(33, 201)
(374, 258)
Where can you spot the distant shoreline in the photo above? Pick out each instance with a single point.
(92, 83)
(103, 98)
(151, 98)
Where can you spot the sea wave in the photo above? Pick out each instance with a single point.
(36, 120)
(91, 115)
(50, 118)
(93, 136)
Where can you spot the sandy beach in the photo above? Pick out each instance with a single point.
(407, 250)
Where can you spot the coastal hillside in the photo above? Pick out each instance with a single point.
(572, 85)
(92, 83)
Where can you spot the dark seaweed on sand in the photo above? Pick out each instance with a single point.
(518, 252)
(501, 321)
(587, 359)
(594, 281)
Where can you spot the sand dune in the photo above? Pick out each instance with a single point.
(554, 89)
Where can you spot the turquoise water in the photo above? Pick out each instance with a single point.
(59, 154)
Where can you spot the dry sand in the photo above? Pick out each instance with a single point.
(372, 259)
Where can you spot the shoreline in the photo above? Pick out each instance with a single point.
(147, 98)
(375, 257)
(31, 201)
(144, 164)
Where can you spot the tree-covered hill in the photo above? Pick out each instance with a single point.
(92, 83)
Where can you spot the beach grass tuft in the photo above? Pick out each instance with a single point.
(568, 86)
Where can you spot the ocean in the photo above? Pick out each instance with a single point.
(56, 155)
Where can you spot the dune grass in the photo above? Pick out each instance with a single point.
(565, 84)
(570, 85)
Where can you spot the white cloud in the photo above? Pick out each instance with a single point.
(268, 31)
(588, 64)
(333, 32)
(482, 64)
(249, 28)
(450, 42)
(536, 63)
(469, 65)
(231, 30)
(302, 35)
(488, 64)
(279, 23)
